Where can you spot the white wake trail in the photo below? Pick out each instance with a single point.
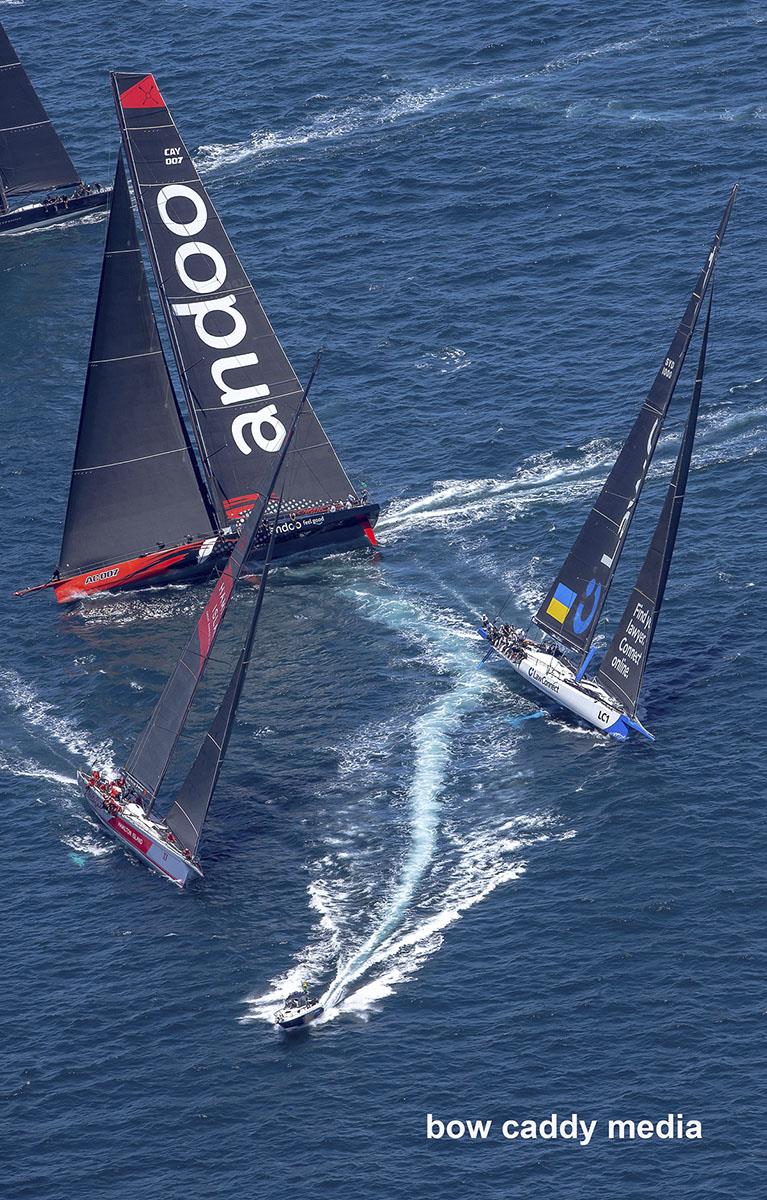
(445, 870)
(46, 721)
(432, 737)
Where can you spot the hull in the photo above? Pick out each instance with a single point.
(310, 532)
(300, 1018)
(140, 835)
(555, 678)
(190, 563)
(197, 561)
(35, 216)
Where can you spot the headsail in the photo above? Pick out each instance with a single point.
(148, 761)
(186, 816)
(32, 155)
(134, 483)
(241, 389)
(574, 601)
(624, 663)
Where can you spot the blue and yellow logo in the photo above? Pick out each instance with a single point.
(560, 603)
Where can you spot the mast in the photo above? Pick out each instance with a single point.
(148, 761)
(32, 155)
(134, 480)
(570, 612)
(624, 663)
(241, 390)
(186, 816)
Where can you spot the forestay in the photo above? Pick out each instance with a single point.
(575, 600)
(241, 389)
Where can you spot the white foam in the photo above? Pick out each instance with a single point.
(368, 114)
(39, 714)
(447, 360)
(89, 845)
(29, 769)
(453, 857)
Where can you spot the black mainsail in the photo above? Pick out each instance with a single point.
(32, 155)
(571, 609)
(134, 483)
(241, 389)
(186, 816)
(623, 665)
(148, 761)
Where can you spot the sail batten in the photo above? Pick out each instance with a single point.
(623, 666)
(240, 387)
(134, 480)
(573, 604)
(32, 155)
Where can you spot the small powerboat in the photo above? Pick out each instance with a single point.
(299, 1010)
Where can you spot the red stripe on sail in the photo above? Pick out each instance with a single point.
(144, 94)
(210, 620)
(237, 506)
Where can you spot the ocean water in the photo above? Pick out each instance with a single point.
(491, 216)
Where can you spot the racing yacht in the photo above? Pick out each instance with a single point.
(570, 612)
(33, 159)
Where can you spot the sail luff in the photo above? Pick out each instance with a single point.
(134, 481)
(571, 609)
(32, 156)
(625, 661)
(186, 816)
(240, 387)
(148, 761)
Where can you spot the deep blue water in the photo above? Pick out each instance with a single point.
(491, 216)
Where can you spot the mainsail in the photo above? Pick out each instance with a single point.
(575, 600)
(149, 759)
(623, 665)
(32, 156)
(241, 389)
(186, 816)
(134, 483)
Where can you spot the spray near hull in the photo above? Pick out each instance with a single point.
(555, 678)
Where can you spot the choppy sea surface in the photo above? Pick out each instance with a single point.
(491, 215)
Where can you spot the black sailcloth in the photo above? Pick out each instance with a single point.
(241, 389)
(186, 816)
(134, 482)
(575, 599)
(148, 761)
(624, 663)
(32, 156)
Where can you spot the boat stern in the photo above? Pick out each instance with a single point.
(139, 835)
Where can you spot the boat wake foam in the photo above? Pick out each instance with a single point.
(29, 769)
(453, 856)
(366, 115)
(39, 714)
